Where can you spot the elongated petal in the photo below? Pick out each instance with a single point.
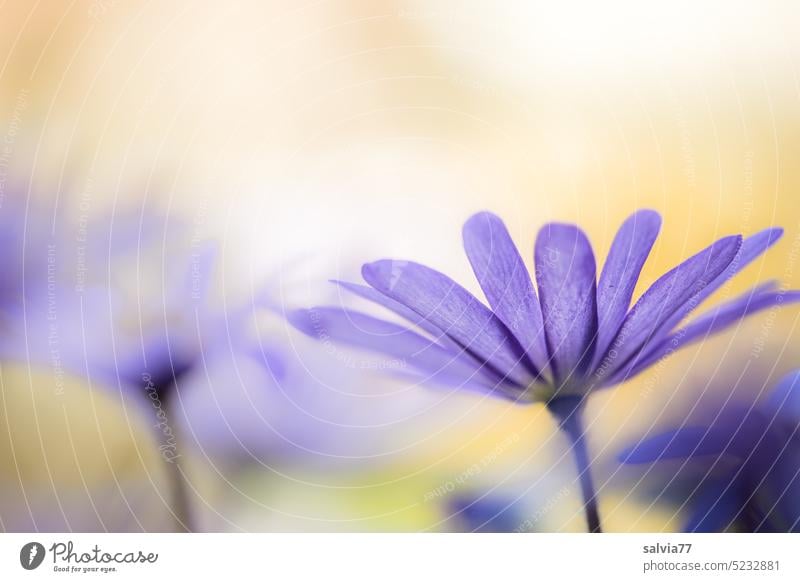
(405, 347)
(371, 294)
(565, 273)
(676, 290)
(449, 306)
(436, 332)
(713, 322)
(681, 443)
(627, 256)
(735, 430)
(752, 247)
(506, 283)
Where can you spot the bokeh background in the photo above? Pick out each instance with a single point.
(308, 137)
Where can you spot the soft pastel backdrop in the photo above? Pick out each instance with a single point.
(309, 137)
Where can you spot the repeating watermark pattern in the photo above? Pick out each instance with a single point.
(99, 8)
(347, 359)
(475, 84)
(472, 471)
(426, 14)
(529, 524)
(169, 446)
(760, 341)
(53, 336)
(748, 203)
(7, 146)
(198, 251)
(81, 237)
(687, 150)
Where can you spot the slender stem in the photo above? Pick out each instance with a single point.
(180, 500)
(570, 415)
(181, 506)
(581, 455)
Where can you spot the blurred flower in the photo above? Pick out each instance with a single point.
(26, 237)
(124, 301)
(487, 513)
(741, 462)
(317, 413)
(575, 336)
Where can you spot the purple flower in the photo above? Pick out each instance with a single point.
(487, 513)
(740, 463)
(126, 303)
(575, 335)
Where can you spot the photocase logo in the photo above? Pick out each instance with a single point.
(31, 555)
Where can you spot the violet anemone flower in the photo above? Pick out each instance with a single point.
(740, 463)
(558, 342)
(127, 303)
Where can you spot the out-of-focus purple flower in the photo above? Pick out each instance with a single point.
(128, 302)
(573, 336)
(27, 239)
(740, 462)
(317, 413)
(488, 513)
(125, 301)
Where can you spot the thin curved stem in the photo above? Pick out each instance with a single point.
(569, 414)
(161, 397)
(581, 454)
(181, 506)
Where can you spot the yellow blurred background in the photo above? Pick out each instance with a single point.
(333, 133)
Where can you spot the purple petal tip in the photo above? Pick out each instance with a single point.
(383, 273)
(483, 215)
(647, 215)
(302, 320)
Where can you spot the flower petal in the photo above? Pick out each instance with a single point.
(412, 316)
(713, 322)
(735, 430)
(752, 248)
(565, 273)
(404, 346)
(506, 283)
(437, 333)
(677, 290)
(627, 256)
(681, 443)
(449, 306)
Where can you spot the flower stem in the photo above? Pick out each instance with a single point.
(181, 507)
(569, 414)
(581, 454)
(161, 396)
